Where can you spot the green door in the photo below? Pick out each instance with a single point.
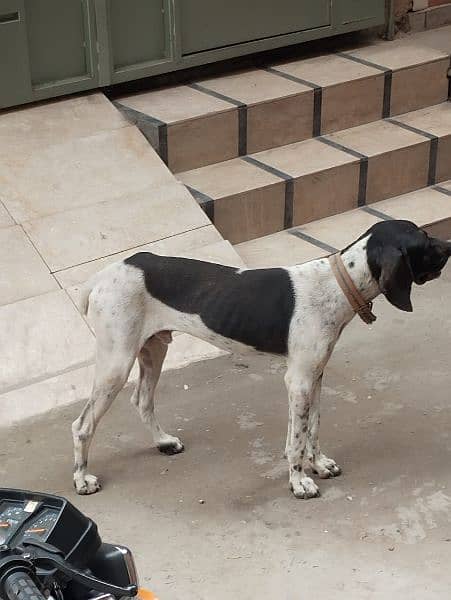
(61, 46)
(207, 25)
(138, 37)
(15, 85)
(348, 12)
(54, 47)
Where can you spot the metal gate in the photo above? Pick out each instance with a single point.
(54, 47)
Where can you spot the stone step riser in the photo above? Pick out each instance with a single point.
(429, 208)
(241, 124)
(346, 179)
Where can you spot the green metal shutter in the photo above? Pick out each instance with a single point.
(217, 23)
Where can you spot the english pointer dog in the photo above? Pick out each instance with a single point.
(299, 312)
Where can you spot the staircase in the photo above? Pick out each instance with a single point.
(299, 157)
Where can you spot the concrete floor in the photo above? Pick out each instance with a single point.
(381, 530)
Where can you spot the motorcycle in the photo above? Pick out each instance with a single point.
(49, 550)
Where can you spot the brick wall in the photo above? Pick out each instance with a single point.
(422, 4)
(409, 18)
(402, 7)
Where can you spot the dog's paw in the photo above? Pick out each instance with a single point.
(170, 445)
(86, 485)
(304, 487)
(325, 467)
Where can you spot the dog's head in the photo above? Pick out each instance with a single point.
(399, 254)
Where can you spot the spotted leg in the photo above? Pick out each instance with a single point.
(322, 465)
(287, 443)
(300, 387)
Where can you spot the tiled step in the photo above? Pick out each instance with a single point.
(262, 193)
(409, 65)
(220, 118)
(438, 39)
(429, 208)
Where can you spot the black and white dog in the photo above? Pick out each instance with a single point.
(298, 311)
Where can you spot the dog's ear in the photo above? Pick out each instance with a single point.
(444, 246)
(395, 280)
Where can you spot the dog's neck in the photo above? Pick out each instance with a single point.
(356, 263)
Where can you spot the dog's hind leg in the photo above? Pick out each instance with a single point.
(151, 358)
(112, 370)
(117, 322)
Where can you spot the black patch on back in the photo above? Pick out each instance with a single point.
(253, 307)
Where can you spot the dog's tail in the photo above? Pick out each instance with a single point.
(85, 291)
(87, 288)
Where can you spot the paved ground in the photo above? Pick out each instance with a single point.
(382, 530)
(115, 196)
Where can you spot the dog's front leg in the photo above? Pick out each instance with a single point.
(322, 465)
(300, 386)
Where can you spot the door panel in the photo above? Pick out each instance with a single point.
(208, 24)
(15, 86)
(54, 47)
(57, 39)
(353, 11)
(137, 31)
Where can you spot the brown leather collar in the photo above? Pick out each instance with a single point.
(355, 298)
